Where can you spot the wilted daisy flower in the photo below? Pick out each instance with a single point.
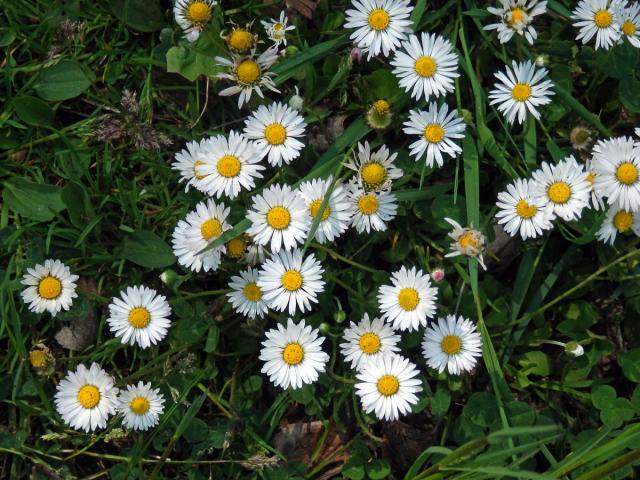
(278, 217)
(192, 16)
(255, 253)
(367, 340)
(438, 129)
(336, 215)
(186, 161)
(141, 316)
(521, 88)
(246, 295)
(141, 406)
(597, 18)
(468, 242)
(290, 282)
(293, 355)
(277, 29)
(452, 344)
(228, 165)
(371, 210)
(581, 138)
(240, 40)
(387, 386)
(522, 212)
(86, 398)
(41, 359)
(49, 287)
(616, 164)
(376, 170)
(249, 74)
(618, 221)
(276, 130)
(629, 20)
(237, 247)
(428, 66)
(409, 301)
(516, 17)
(379, 114)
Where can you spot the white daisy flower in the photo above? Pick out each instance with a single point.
(618, 220)
(616, 164)
(140, 406)
(521, 88)
(520, 211)
(387, 386)
(428, 66)
(336, 215)
(192, 16)
(597, 18)
(410, 299)
(293, 355)
(629, 20)
(371, 210)
(597, 203)
(452, 344)
(279, 217)
(380, 25)
(367, 340)
(141, 316)
(376, 170)
(277, 29)
(289, 282)
(49, 287)
(438, 129)
(246, 296)
(255, 253)
(516, 17)
(228, 165)
(86, 398)
(468, 242)
(276, 130)
(186, 161)
(200, 227)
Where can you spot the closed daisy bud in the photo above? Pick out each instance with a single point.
(437, 275)
(574, 349)
(581, 138)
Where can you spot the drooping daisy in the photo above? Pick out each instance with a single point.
(468, 242)
(629, 20)
(410, 299)
(277, 29)
(276, 130)
(428, 66)
(521, 88)
(597, 18)
(516, 17)
(522, 212)
(249, 74)
(141, 316)
(618, 220)
(616, 163)
(246, 296)
(255, 253)
(376, 170)
(289, 282)
(380, 25)
(293, 355)
(49, 287)
(140, 406)
(438, 129)
(452, 344)
(240, 40)
(387, 386)
(192, 16)
(367, 340)
(86, 398)
(278, 217)
(371, 210)
(335, 217)
(228, 165)
(186, 161)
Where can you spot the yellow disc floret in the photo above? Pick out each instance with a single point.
(275, 134)
(425, 66)
(248, 72)
(370, 343)
(521, 92)
(381, 107)
(278, 218)
(368, 204)
(378, 19)
(433, 133)
(236, 247)
(198, 12)
(139, 405)
(517, 16)
(89, 396)
(603, 19)
(252, 292)
(293, 354)
(525, 210)
(49, 288)
(468, 240)
(139, 317)
(559, 192)
(291, 280)
(229, 166)
(629, 28)
(314, 208)
(451, 344)
(623, 221)
(211, 228)
(38, 359)
(388, 385)
(627, 173)
(408, 299)
(373, 174)
(240, 41)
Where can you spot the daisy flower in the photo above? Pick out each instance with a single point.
(336, 215)
(277, 29)
(379, 114)
(597, 203)
(521, 88)
(241, 40)
(468, 242)
(516, 17)
(186, 161)
(86, 398)
(140, 406)
(367, 340)
(141, 316)
(452, 344)
(289, 282)
(255, 253)
(618, 221)
(629, 20)
(409, 301)
(376, 170)
(387, 386)
(437, 130)
(597, 18)
(278, 216)
(293, 355)
(380, 25)
(427, 66)
(581, 138)
(237, 247)
(192, 16)
(276, 130)
(371, 210)
(616, 164)
(521, 211)
(49, 287)
(246, 295)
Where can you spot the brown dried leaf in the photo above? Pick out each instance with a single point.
(303, 7)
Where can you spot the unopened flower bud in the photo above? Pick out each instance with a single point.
(437, 275)
(574, 349)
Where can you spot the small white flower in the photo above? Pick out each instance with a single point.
(574, 349)
(277, 29)
(376, 170)
(192, 16)
(141, 406)
(597, 18)
(616, 164)
(246, 296)
(336, 215)
(367, 340)
(371, 210)
(186, 161)
(628, 17)
(452, 344)
(468, 242)
(49, 287)
(618, 220)
(516, 17)
(521, 212)
(597, 203)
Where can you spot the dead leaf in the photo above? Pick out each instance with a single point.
(406, 441)
(303, 7)
(80, 333)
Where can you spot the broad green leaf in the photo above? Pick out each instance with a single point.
(190, 64)
(603, 396)
(141, 15)
(146, 249)
(33, 111)
(62, 81)
(32, 200)
(630, 363)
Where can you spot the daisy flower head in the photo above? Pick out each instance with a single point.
(521, 89)
(452, 344)
(410, 299)
(336, 215)
(380, 25)
(186, 161)
(236, 248)
(86, 398)
(140, 406)
(582, 138)
(246, 296)
(467, 242)
(293, 355)
(437, 129)
(616, 164)
(192, 16)
(140, 317)
(278, 217)
(277, 29)
(240, 40)
(629, 20)
(618, 220)
(368, 339)
(597, 18)
(428, 66)
(376, 170)
(371, 210)
(387, 385)
(522, 212)
(49, 287)
(516, 16)
(379, 114)
(276, 131)
(290, 282)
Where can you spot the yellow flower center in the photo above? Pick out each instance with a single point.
(370, 343)
(433, 133)
(89, 396)
(559, 192)
(236, 247)
(525, 210)
(603, 19)
(275, 134)
(517, 16)
(368, 204)
(623, 221)
(451, 344)
(291, 280)
(381, 107)
(248, 71)
(408, 299)
(139, 317)
(468, 240)
(314, 207)
(628, 28)
(252, 292)
(139, 405)
(373, 174)
(388, 385)
(37, 358)
(195, 170)
(627, 173)
(378, 19)
(278, 218)
(521, 92)
(212, 228)
(240, 40)
(591, 177)
(293, 354)
(425, 66)
(49, 288)
(199, 12)
(229, 166)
